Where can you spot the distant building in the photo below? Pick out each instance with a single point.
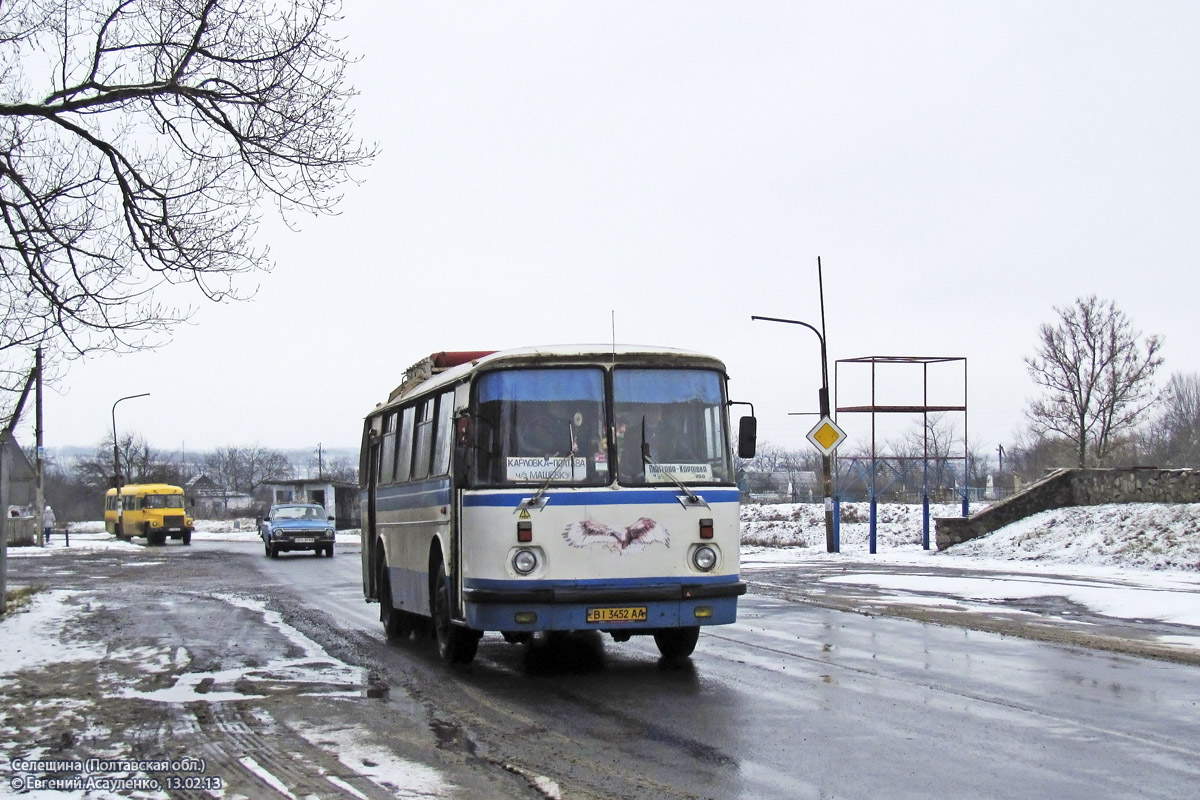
(20, 485)
(780, 486)
(207, 499)
(339, 498)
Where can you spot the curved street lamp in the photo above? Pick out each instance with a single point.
(116, 455)
(831, 544)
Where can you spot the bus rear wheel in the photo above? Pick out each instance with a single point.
(677, 642)
(456, 644)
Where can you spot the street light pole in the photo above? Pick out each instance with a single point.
(116, 453)
(831, 545)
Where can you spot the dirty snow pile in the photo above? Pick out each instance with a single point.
(1138, 535)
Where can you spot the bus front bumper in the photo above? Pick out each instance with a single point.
(602, 608)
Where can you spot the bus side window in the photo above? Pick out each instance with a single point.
(443, 444)
(387, 457)
(423, 444)
(404, 449)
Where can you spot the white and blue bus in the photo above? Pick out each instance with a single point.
(553, 489)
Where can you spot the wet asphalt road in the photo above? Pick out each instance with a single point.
(793, 701)
(800, 701)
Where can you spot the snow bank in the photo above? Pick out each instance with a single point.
(1136, 535)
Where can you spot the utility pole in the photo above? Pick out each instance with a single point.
(39, 491)
(320, 463)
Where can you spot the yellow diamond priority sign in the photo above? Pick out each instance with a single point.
(826, 435)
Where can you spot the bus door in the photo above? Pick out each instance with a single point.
(367, 536)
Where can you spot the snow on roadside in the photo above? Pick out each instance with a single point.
(92, 536)
(1142, 535)
(1151, 536)
(34, 636)
(403, 778)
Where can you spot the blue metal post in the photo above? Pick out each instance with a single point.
(925, 521)
(872, 522)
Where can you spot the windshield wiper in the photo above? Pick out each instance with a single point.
(537, 496)
(692, 497)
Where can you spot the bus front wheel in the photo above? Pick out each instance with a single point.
(456, 644)
(677, 642)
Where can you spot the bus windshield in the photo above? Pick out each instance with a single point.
(542, 425)
(163, 501)
(538, 426)
(676, 418)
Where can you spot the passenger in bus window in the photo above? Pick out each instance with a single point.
(547, 431)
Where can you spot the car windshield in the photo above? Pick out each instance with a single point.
(298, 512)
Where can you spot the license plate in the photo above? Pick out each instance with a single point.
(627, 614)
(304, 540)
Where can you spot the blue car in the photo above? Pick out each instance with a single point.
(297, 526)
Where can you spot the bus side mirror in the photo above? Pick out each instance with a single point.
(747, 437)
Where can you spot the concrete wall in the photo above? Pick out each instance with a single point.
(1074, 487)
(22, 531)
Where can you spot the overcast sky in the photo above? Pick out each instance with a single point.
(960, 168)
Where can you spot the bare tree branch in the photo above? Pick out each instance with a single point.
(139, 142)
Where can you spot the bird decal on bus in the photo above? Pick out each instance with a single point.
(633, 538)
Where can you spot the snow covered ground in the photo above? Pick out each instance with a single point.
(1149, 536)
(1133, 562)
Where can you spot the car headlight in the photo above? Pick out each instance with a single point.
(704, 558)
(524, 561)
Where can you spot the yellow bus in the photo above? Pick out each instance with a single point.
(153, 510)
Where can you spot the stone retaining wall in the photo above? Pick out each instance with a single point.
(1075, 487)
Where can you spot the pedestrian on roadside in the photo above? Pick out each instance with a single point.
(48, 521)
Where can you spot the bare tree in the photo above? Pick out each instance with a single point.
(1174, 438)
(1097, 372)
(935, 450)
(139, 143)
(344, 470)
(139, 463)
(244, 469)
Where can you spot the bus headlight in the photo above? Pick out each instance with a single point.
(704, 558)
(524, 561)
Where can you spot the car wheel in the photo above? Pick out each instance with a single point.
(267, 547)
(187, 537)
(329, 551)
(456, 644)
(273, 550)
